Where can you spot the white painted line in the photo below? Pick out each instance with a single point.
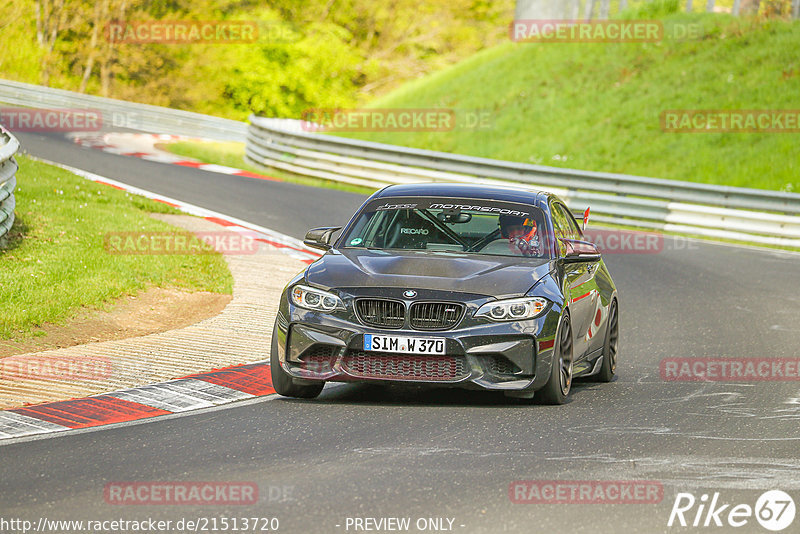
(222, 169)
(163, 398)
(147, 420)
(112, 150)
(181, 395)
(298, 250)
(143, 145)
(16, 425)
(158, 158)
(213, 393)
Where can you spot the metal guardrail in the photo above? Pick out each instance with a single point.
(8, 181)
(752, 215)
(121, 114)
(758, 216)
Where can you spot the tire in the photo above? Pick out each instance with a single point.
(610, 347)
(285, 384)
(557, 388)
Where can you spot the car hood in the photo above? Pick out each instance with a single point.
(466, 273)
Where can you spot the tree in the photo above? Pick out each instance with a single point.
(51, 17)
(100, 17)
(345, 51)
(750, 7)
(590, 9)
(574, 10)
(605, 7)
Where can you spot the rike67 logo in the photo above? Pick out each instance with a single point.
(774, 510)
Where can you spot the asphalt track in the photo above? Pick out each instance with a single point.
(362, 451)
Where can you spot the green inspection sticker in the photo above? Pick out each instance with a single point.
(357, 241)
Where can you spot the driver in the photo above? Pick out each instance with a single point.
(521, 234)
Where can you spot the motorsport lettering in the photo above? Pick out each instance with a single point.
(462, 207)
(483, 209)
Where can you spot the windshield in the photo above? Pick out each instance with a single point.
(470, 226)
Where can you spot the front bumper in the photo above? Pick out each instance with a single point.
(508, 356)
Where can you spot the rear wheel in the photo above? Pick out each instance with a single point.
(557, 388)
(285, 384)
(610, 347)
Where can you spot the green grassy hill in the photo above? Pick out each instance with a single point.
(597, 106)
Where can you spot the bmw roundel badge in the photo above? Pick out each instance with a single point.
(409, 293)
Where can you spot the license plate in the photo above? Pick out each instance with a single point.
(405, 345)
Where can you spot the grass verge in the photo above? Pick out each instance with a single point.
(597, 107)
(53, 261)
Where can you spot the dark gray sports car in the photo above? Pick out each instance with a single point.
(453, 285)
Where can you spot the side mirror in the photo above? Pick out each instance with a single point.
(578, 251)
(320, 238)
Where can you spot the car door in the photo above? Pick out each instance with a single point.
(581, 289)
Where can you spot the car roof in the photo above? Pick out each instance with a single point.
(452, 190)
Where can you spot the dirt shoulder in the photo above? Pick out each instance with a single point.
(152, 311)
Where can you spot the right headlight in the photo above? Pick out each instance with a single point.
(316, 299)
(517, 309)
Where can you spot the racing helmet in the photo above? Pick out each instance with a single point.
(507, 222)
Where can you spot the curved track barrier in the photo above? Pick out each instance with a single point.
(755, 216)
(122, 114)
(751, 215)
(8, 181)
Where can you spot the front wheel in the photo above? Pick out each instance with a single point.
(557, 388)
(285, 384)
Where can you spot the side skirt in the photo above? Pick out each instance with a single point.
(589, 365)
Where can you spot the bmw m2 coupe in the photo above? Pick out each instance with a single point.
(456, 285)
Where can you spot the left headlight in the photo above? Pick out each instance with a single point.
(315, 299)
(513, 309)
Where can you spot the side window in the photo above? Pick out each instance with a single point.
(574, 230)
(560, 224)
